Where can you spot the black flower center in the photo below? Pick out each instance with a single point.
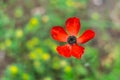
(71, 39)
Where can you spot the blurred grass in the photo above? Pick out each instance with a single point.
(25, 38)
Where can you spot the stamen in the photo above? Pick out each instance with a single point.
(71, 40)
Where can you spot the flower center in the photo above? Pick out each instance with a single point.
(71, 39)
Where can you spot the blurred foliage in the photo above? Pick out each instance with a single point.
(25, 37)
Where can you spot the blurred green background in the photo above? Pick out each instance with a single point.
(27, 51)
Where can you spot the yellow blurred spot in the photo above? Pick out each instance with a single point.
(67, 69)
(45, 56)
(32, 55)
(95, 16)
(38, 50)
(38, 54)
(34, 21)
(8, 42)
(13, 69)
(69, 3)
(47, 78)
(19, 33)
(45, 18)
(25, 76)
(63, 63)
(32, 43)
(33, 24)
(36, 63)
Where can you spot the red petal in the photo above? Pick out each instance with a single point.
(77, 51)
(86, 36)
(73, 25)
(59, 34)
(64, 50)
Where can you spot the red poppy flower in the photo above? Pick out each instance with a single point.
(71, 48)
